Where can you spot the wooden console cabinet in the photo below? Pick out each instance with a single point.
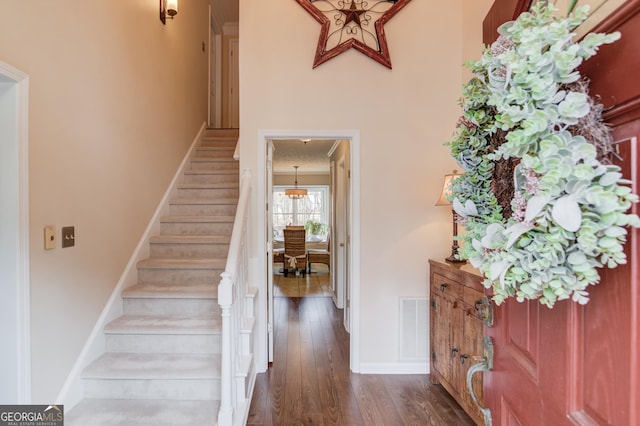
(455, 294)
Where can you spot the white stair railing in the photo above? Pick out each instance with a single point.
(232, 290)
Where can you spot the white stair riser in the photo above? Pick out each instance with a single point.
(196, 228)
(208, 193)
(214, 164)
(164, 343)
(219, 141)
(145, 412)
(195, 209)
(189, 250)
(222, 134)
(214, 152)
(216, 143)
(157, 306)
(179, 276)
(181, 389)
(201, 178)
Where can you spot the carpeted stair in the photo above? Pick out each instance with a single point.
(162, 359)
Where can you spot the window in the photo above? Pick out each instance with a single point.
(314, 207)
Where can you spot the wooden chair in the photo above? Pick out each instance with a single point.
(295, 254)
(320, 255)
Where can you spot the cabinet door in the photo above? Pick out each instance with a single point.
(441, 355)
(471, 347)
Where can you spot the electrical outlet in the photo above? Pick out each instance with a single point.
(49, 237)
(68, 236)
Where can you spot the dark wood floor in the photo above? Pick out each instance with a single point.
(310, 383)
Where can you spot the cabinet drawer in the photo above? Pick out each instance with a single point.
(469, 298)
(445, 287)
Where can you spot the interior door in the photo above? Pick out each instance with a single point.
(234, 79)
(214, 79)
(580, 364)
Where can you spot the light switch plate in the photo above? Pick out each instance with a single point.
(68, 236)
(49, 237)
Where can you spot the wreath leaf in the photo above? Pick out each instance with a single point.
(566, 213)
(542, 209)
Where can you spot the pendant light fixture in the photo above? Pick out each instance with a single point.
(295, 193)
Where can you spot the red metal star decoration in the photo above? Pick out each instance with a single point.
(347, 24)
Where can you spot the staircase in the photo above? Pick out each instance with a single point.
(162, 361)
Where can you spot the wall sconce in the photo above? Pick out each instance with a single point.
(168, 9)
(443, 201)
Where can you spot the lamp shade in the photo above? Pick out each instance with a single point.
(295, 193)
(172, 7)
(446, 189)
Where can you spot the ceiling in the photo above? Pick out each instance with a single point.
(225, 10)
(310, 156)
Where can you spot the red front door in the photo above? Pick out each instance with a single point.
(580, 364)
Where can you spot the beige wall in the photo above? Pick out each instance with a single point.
(116, 98)
(404, 116)
(473, 13)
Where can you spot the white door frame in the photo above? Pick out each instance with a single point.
(14, 106)
(341, 240)
(269, 237)
(354, 225)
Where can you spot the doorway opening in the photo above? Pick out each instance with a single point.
(15, 333)
(341, 179)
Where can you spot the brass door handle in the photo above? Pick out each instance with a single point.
(485, 363)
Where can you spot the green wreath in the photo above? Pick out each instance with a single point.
(541, 205)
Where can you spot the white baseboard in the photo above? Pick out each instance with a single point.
(72, 391)
(395, 368)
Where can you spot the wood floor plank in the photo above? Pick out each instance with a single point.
(277, 373)
(311, 403)
(329, 394)
(310, 382)
(293, 390)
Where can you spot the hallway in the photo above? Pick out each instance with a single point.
(310, 382)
